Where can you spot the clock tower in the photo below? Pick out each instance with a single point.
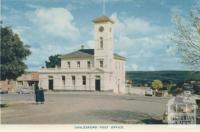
(103, 51)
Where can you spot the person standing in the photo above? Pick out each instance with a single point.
(39, 94)
(42, 99)
(36, 89)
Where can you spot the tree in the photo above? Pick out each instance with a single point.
(13, 53)
(176, 90)
(187, 37)
(157, 84)
(53, 61)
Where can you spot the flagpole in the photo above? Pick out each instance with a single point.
(104, 8)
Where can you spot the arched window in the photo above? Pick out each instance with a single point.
(101, 42)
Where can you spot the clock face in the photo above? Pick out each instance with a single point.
(101, 29)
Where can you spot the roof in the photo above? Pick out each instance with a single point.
(101, 19)
(29, 76)
(86, 53)
(119, 57)
(82, 53)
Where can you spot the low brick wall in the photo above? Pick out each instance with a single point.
(8, 85)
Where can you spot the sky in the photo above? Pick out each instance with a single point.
(142, 29)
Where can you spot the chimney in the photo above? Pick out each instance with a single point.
(82, 46)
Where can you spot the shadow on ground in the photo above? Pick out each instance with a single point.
(126, 117)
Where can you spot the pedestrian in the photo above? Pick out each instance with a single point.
(36, 89)
(42, 99)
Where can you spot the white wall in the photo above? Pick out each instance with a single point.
(105, 53)
(59, 85)
(119, 74)
(73, 63)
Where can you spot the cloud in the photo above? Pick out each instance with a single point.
(134, 67)
(139, 25)
(138, 36)
(147, 46)
(90, 44)
(55, 21)
(40, 54)
(134, 26)
(151, 68)
(144, 44)
(123, 53)
(48, 31)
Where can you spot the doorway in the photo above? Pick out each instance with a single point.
(51, 84)
(98, 85)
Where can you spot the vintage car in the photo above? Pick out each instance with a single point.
(25, 90)
(149, 92)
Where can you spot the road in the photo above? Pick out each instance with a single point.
(82, 108)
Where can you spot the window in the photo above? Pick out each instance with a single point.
(78, 64)
(84, 80)
(63, 80)
(20, 83)
(88, 64)
(73, 80)
(69, 65)
(101, 42)
(101, 29)
(101, 63)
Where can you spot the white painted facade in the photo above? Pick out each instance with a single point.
(102, 71)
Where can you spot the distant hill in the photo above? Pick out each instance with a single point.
(146, 77)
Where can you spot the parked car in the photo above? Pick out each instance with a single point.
(25, 91)
(3, 91)
(149, 92)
